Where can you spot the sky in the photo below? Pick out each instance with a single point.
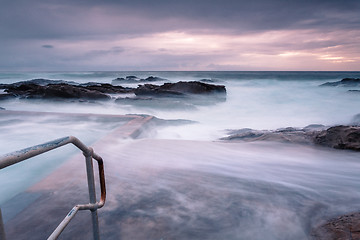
(200, 35)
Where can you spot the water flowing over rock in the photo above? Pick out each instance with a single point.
(340, 137)
(346, 227)
(288, 135)
(346, 82)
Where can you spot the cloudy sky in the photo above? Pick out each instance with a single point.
(81, 35)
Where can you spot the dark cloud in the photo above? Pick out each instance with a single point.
(64, 19)
(72, 24)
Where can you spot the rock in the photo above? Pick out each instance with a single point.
(287, 135)
(38, 81)
(6, 96)
(340, 137)
(134, 79)
(155, 90)
(346, 82)
(1, 108)
(346, 227)
(108, 88)
(180, 89)
(56, 91)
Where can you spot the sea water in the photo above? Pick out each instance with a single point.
(311, 179)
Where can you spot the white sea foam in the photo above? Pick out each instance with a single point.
(277, 190)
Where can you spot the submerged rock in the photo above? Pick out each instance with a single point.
(340, 137)
(346, 227)
(346, 82)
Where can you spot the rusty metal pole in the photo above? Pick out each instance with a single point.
(92, 193)
(2, 229)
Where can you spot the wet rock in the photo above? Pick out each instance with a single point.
(38, 81)
(180, 89)
(205, 80)
(56, 91)
(134, 79)
(287, 135)
(340, 137)
(346, 227)
(6, 96)
(346, 82)
(108, 88)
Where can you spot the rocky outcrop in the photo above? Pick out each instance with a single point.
(134, 79)
(346, 82)
(346, 227)
(340, 137)
(56, 91)
(38, 81)
(288, 135)
(180, 89)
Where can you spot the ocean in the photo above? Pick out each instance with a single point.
(248, 190)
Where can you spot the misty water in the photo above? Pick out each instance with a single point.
(181, 181)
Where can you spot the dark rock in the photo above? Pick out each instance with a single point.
(354, 91)
(154, 79)
(54, 91)
(340, 137)
(346, 82)
(205, 80)
(38, 81)
(180, 89)
(155, 90)
(6, 96)
(108, 88)
(346, 227)
(134, 79)
(287, 135)
(1, 108)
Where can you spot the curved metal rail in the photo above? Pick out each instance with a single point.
(19, 156)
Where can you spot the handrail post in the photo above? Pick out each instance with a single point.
(2, 229)
(92, 193)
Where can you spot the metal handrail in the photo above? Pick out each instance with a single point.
(88, 152)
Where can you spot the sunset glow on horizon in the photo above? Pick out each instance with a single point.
(135, 36)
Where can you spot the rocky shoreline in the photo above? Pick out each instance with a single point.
(58, 89)
(184, 95)
(338, 137)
